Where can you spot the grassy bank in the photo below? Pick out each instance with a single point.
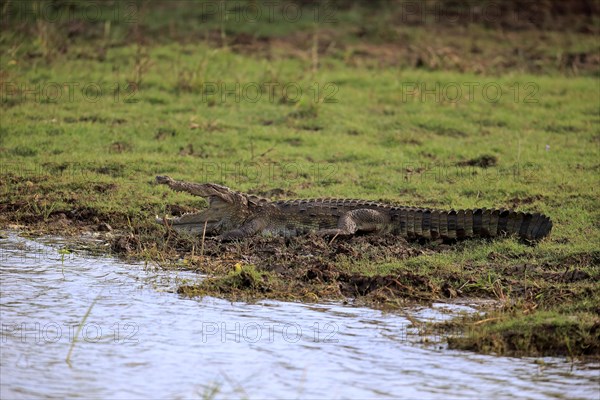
(443, 115)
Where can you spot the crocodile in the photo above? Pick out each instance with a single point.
(234, 215)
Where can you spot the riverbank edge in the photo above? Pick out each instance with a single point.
(509, 327)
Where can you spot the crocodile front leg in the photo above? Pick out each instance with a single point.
(363, 219)
(250, 228)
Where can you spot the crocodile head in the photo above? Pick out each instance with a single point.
(226, 210)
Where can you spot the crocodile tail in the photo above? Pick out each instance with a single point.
(463, 224)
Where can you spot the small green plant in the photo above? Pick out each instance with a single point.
(43, 208)
(64, 251)
(211, 391)
(81, 324)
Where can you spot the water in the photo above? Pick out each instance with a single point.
(143, 340)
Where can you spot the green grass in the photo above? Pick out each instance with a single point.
(533, 335)
(369, 144)
(367, 132)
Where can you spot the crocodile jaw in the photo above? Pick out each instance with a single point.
(192, 223)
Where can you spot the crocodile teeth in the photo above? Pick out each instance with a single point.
(161, 220)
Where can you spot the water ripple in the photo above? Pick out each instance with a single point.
(143, 340)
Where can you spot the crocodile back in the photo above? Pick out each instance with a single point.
(414, 222)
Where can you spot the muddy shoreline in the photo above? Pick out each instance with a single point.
(313, 269)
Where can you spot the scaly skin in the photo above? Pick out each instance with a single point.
(234, 215)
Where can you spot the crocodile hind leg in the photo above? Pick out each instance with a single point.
(362, 219)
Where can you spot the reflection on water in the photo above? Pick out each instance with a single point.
(143, 340)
